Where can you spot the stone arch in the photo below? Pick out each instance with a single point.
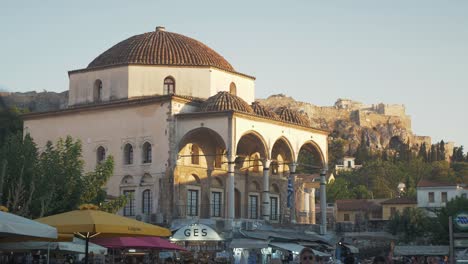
(127, 180)
(310, 158)
(275, 189)
(254, 186)
(282, 154)
(233, 88)
(216, 182)
(146, 179)
(251, 148)
(209, 144)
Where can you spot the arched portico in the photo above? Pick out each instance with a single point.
(200, 157)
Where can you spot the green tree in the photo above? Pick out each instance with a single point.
(423, 152)
(339, 189)
(362, 152)
(440, 228)
(433, 154)
(458, 155)
(409, 225)
(60, 170)
(442, 150)
(17, 175)
(336, 151)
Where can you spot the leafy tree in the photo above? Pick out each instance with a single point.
(339, 189)
(458, 155)
(60, 177)
(441, 150)
(18, 172)
(460, 170)
(440, 228)
(423, 152)
(433, 154)
(409, 225)
(336, 151)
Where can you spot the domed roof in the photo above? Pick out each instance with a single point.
(262, 111)
(161, 48)
(224, 101)
(293, 116)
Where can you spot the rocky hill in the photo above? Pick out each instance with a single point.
(382, 125)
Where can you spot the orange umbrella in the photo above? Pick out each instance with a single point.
(89, 223)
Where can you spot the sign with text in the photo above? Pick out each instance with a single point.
(196, 232)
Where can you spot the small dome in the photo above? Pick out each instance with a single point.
(293, 116)
(224, 101)
(262, 111)
(161, 48)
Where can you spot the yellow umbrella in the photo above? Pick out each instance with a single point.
(89, 223)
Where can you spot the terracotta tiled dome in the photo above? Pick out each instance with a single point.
(161, 48)
(224, 101)
(293, 116)
(262, 111)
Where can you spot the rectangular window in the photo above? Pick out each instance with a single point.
(346, 217)
(443, 197)
(192, 203)
(274, 213)
(147, 202)
(253, 206)
(216, 204)
(392, 211)
(349, 164)
(129, 209)
(431, 197)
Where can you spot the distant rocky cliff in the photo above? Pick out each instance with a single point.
(382, 125)
(36, 102)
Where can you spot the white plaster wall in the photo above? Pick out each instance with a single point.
(423, 195)
(112, 128)
(221, 81)
(149, 80)
(271, 132)
(114, 83)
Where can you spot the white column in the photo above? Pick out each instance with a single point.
(323, 201)
(231, 178)
(292, 174)
(266, 190)
(312, 206)
(306, 206)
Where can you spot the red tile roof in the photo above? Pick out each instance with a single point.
(400, 200)
(357, 205)
(161, 48)
(429, 183)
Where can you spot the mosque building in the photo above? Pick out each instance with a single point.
(188, 138)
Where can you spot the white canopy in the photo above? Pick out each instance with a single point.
(16, 226)
(78, 246)
(295, 248)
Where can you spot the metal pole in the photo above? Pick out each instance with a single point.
(292, 170)
(323, 201)
(48, 252)
(86, 250)
(451, 257)
(2, 177)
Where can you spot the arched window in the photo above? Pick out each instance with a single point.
(169, 85)
(233, 89)
(100, 154)
(147, 157)
(195, 154)
(98, 90)
(147, 202)
(128, 154)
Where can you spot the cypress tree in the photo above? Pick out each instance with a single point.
(423, 152)
(433, 154)
(442, 150)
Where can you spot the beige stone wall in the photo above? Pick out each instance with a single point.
(221, 81)
(114, 84)
(386, 209)
(112, 128)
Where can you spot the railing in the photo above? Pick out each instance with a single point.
(218, 211)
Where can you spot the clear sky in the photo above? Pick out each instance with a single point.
(407, 52)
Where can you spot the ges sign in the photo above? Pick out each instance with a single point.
(197, 232)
